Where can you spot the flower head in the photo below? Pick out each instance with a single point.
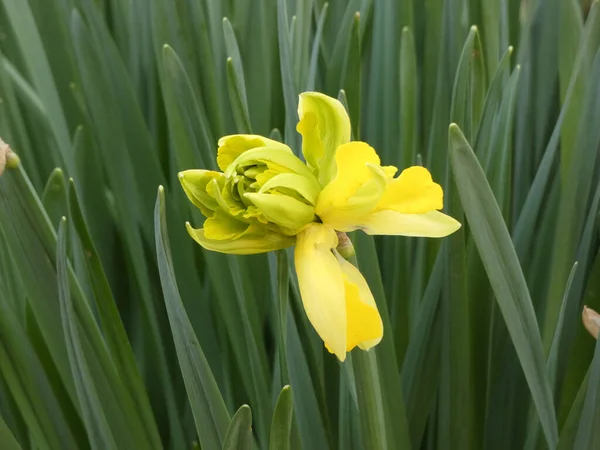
(266, 199)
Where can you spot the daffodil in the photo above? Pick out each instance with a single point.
(265, 198)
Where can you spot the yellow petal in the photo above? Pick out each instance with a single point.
(230, 147)
(321, 283)
(431, 224)
(357, 187)
(255, 240)
(194, 183)
(283, 210)
(324, 125)
(413, 192)
(364, 326)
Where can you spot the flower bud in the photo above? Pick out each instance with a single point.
(591, 321)
(8, 159)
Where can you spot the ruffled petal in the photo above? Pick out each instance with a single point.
(356, 189)
(321, 283)
(283, 210)
(324, 125)
(432, 224)
(194, 183)
(413, 192)
(230, 147)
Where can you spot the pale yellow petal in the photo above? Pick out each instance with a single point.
(364, 324)
(222, 226)
(431, 224)
(413, 192)
(324, 125)
(283, 210)
(321, 283)
(255, 240)
(306, 187)
(194, 183)
(279, 161)
(230, 147)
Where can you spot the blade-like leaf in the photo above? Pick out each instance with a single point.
(99, 432)
(239, 433)
(208, 407)
(281, 425)
(504, 272)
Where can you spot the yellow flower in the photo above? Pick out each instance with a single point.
(267, 199)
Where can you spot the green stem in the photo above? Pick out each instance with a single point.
(366, 376)
(282, 305)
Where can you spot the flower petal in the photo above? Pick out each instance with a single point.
(364, 325)
(194, 183)
(321, 283)
(254, 241)
(356, 189)
(431, 224)
(278, 160)
(306, 187)
(413, 192)
(222, 226)
(230, 147)
(324, 125)
(283, 210)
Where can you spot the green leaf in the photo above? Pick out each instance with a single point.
(281, 425)
(235, 81)
(114, 331)
(38, 66)
(190, 132)
(409, 92)
(236, 95)
(420, 371)
(6, 437)
(389, 382)
(588, 434)
(54, 197)
(290, 100)
(239, 432)
(568, 433)
(351, 77)
(210, 413)
(283, 292)
(314, 56)
(504, 272)
(94, 417)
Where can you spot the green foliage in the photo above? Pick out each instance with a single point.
(118, 332)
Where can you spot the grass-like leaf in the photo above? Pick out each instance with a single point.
(502, 266)
(210, 413)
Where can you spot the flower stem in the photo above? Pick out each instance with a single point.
(366, 375)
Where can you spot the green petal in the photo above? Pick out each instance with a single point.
(194, 183)
(222, 226)
(283, 210)
(276, 159)
(255, 240)
(306, 187)
(324, 125)
(230, 147)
